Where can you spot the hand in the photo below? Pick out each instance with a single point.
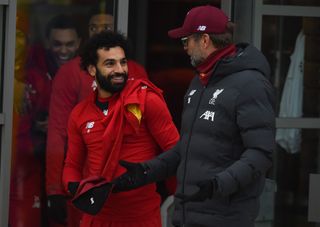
(57, 208)
(135, 176)
(42, 126)
(206, 190)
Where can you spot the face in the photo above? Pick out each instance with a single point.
(193, 48)
(64, 44)
(99, 23)
(111, 71)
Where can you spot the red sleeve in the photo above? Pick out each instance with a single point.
(64, 97)
(162, 128)
(76, 154)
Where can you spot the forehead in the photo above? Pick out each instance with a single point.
(63, 34)
(114, 53)
(101, 19)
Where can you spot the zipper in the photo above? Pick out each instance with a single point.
(212, 80)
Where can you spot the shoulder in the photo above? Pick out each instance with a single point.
(81, 107)
(136, 70)
(71, 72)
(71, 67)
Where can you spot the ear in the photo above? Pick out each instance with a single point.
(78, 42)
(92, 70)
(206, 40)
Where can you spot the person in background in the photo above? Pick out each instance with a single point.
(124, 118)
(27, 205)
(70, 86)
(227, 130)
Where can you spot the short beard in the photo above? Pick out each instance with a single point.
(196, 61)
(106, 84)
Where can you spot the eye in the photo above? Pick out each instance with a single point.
(109, 64)
(56, 44)
(107, 28)
(92, 28)
(70, 44)
(124, 62)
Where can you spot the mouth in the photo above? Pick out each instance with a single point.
(117, 79)
(64, 59)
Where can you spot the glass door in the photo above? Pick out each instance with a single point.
(49, 34)
(287, 32)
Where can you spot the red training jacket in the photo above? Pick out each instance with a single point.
(70, 85)
(98, 142)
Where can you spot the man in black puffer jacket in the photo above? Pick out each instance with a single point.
(227, 133)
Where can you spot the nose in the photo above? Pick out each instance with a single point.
(100, 29)
(63, 49)
(185, 47)
(119, 68)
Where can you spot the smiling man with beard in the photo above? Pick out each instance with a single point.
(124, 118)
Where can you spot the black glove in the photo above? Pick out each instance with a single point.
(57, 208)
(206, 190)
(73, 187)
(135, 176)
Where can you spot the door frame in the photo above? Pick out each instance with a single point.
(7, 47)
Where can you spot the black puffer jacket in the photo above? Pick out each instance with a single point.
(227, 133)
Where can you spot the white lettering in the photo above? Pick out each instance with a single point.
(208, 115)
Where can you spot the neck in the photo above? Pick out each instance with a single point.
(104, 94)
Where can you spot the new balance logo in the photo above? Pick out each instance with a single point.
(190, 94)
(90, 125)
(215, 96)
(208, 115)
(201, 28)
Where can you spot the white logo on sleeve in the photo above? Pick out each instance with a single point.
(91, 200)
(215, 96)
(208, 115)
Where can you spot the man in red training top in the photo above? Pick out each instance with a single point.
(70, 85)
(124, 118)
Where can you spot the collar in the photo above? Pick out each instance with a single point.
(205, 69)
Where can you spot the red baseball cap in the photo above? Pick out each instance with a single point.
(201, 19)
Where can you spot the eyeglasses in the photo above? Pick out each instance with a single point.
(184, 41)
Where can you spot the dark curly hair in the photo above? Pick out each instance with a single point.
(103, 40)
(61, 21)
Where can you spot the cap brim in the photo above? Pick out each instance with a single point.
(178, 33)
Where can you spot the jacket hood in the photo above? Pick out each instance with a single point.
(247, 58)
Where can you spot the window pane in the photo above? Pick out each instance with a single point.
(293, 2)
(49, 34)
(279, 42)
(292, 175)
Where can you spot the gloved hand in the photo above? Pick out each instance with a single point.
(57, 208)
(135, 176)
(73, 187)
(206, 190)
